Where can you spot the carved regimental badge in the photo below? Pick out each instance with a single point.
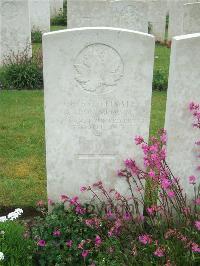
(98, 68)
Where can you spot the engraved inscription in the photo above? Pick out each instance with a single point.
(98, 68)
(102, 115)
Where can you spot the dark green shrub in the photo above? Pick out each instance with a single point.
(160, 80)
(22, 71)
(61, 18)
(36, 36)
(16, 248)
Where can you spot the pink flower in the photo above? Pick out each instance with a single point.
(40, 203)
(145, 239)
(152, 173)
(79, 209)
(50, 202)
(110, 214)
(145, 148)
(64, 198)
(117, 195)
(98, 241)
(98, 184)
(165, 183)
(131, 165)
(89, 222)
(57, 233)
(41, 243)
(74, 200)
(163, 137)
(85, 253)
(127, 216)
(139, 140)
(197, 201)
(170, 194)
(186, 211)
(153, 148)
(192, 179)
(150, 210)
(192, 106)
(121, 173)
(69, 243)
(197, 225)
(159, 252)
(195, 248)
(82, 189)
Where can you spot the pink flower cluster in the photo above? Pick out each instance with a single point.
(146, 239)
(73, 202)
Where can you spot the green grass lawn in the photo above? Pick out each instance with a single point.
(22, 149)
(55, 28)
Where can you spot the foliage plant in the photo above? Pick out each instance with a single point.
(60, 236)
(132, 229)
(160, 80)
(36, 36)
(61, 18)
(21, 71)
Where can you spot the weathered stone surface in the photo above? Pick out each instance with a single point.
(102, 13)
(40, 15)
(176, 13)
(98, 86)
(15, 30)
(55, 7)
(157, 11)
(191, 18)
(184, 87)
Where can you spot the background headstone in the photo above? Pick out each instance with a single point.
(56, 6)
(15, 30)
(40, 15)
(157, 12)
(98, 86)
(191, 18)
(176, 13)
(184, 87)
(128, 14)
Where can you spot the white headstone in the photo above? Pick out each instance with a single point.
(40, 15)
(191, 18)
(128, 14)
(56, 6)
(157, 11)
(98, 86)
(15, 30)
(176, 13)
(184, 87)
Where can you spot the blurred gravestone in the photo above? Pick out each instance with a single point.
(128, 14)
(191, 18)
(15, 30)
(56, 6)
(157, 12)
(40, 15)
